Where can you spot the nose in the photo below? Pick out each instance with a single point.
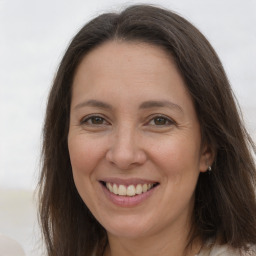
(125, 150)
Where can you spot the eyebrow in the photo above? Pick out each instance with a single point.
(93, 103)
(144, 105)
(161, 104)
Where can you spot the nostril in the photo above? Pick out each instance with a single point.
(124, 159)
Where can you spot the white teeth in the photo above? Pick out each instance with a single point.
(115, 189)
(131, 190)
(109, 186)
(144, 188)
(122, 190)
(138, 189)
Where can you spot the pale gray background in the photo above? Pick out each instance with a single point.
(33, 37)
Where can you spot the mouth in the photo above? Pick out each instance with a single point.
(129, 190)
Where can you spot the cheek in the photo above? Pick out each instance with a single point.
(85, 154)
(178, 162)
(177, 154)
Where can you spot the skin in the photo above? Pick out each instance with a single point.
(133, 139)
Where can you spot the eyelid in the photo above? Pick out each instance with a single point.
(168, 119)
(88, 117)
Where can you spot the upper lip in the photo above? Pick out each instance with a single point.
(130, 181)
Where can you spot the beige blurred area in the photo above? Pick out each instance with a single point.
(10, 247)
(18, 223)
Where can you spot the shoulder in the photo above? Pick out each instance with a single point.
(225, 250)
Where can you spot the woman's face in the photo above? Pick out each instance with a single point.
(134, 140)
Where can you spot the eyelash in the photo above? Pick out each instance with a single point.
(167, 121)
(89, 121)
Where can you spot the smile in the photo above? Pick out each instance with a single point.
(129, 190)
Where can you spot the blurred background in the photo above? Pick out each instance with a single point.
(33, 37)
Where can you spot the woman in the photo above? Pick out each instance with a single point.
(144, 151)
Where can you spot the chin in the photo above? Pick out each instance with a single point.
(128, 228)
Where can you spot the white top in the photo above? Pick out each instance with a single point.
(224, 250)
(9, 247)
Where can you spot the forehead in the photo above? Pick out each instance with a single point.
(129, 70)
(123, 54)
(127, 61)
(129, 50)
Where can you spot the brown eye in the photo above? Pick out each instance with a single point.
(160, 121)
(94, 120)
(97, 120)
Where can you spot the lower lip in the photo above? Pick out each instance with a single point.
(128, 201)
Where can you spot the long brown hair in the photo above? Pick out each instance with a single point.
(225, 205)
